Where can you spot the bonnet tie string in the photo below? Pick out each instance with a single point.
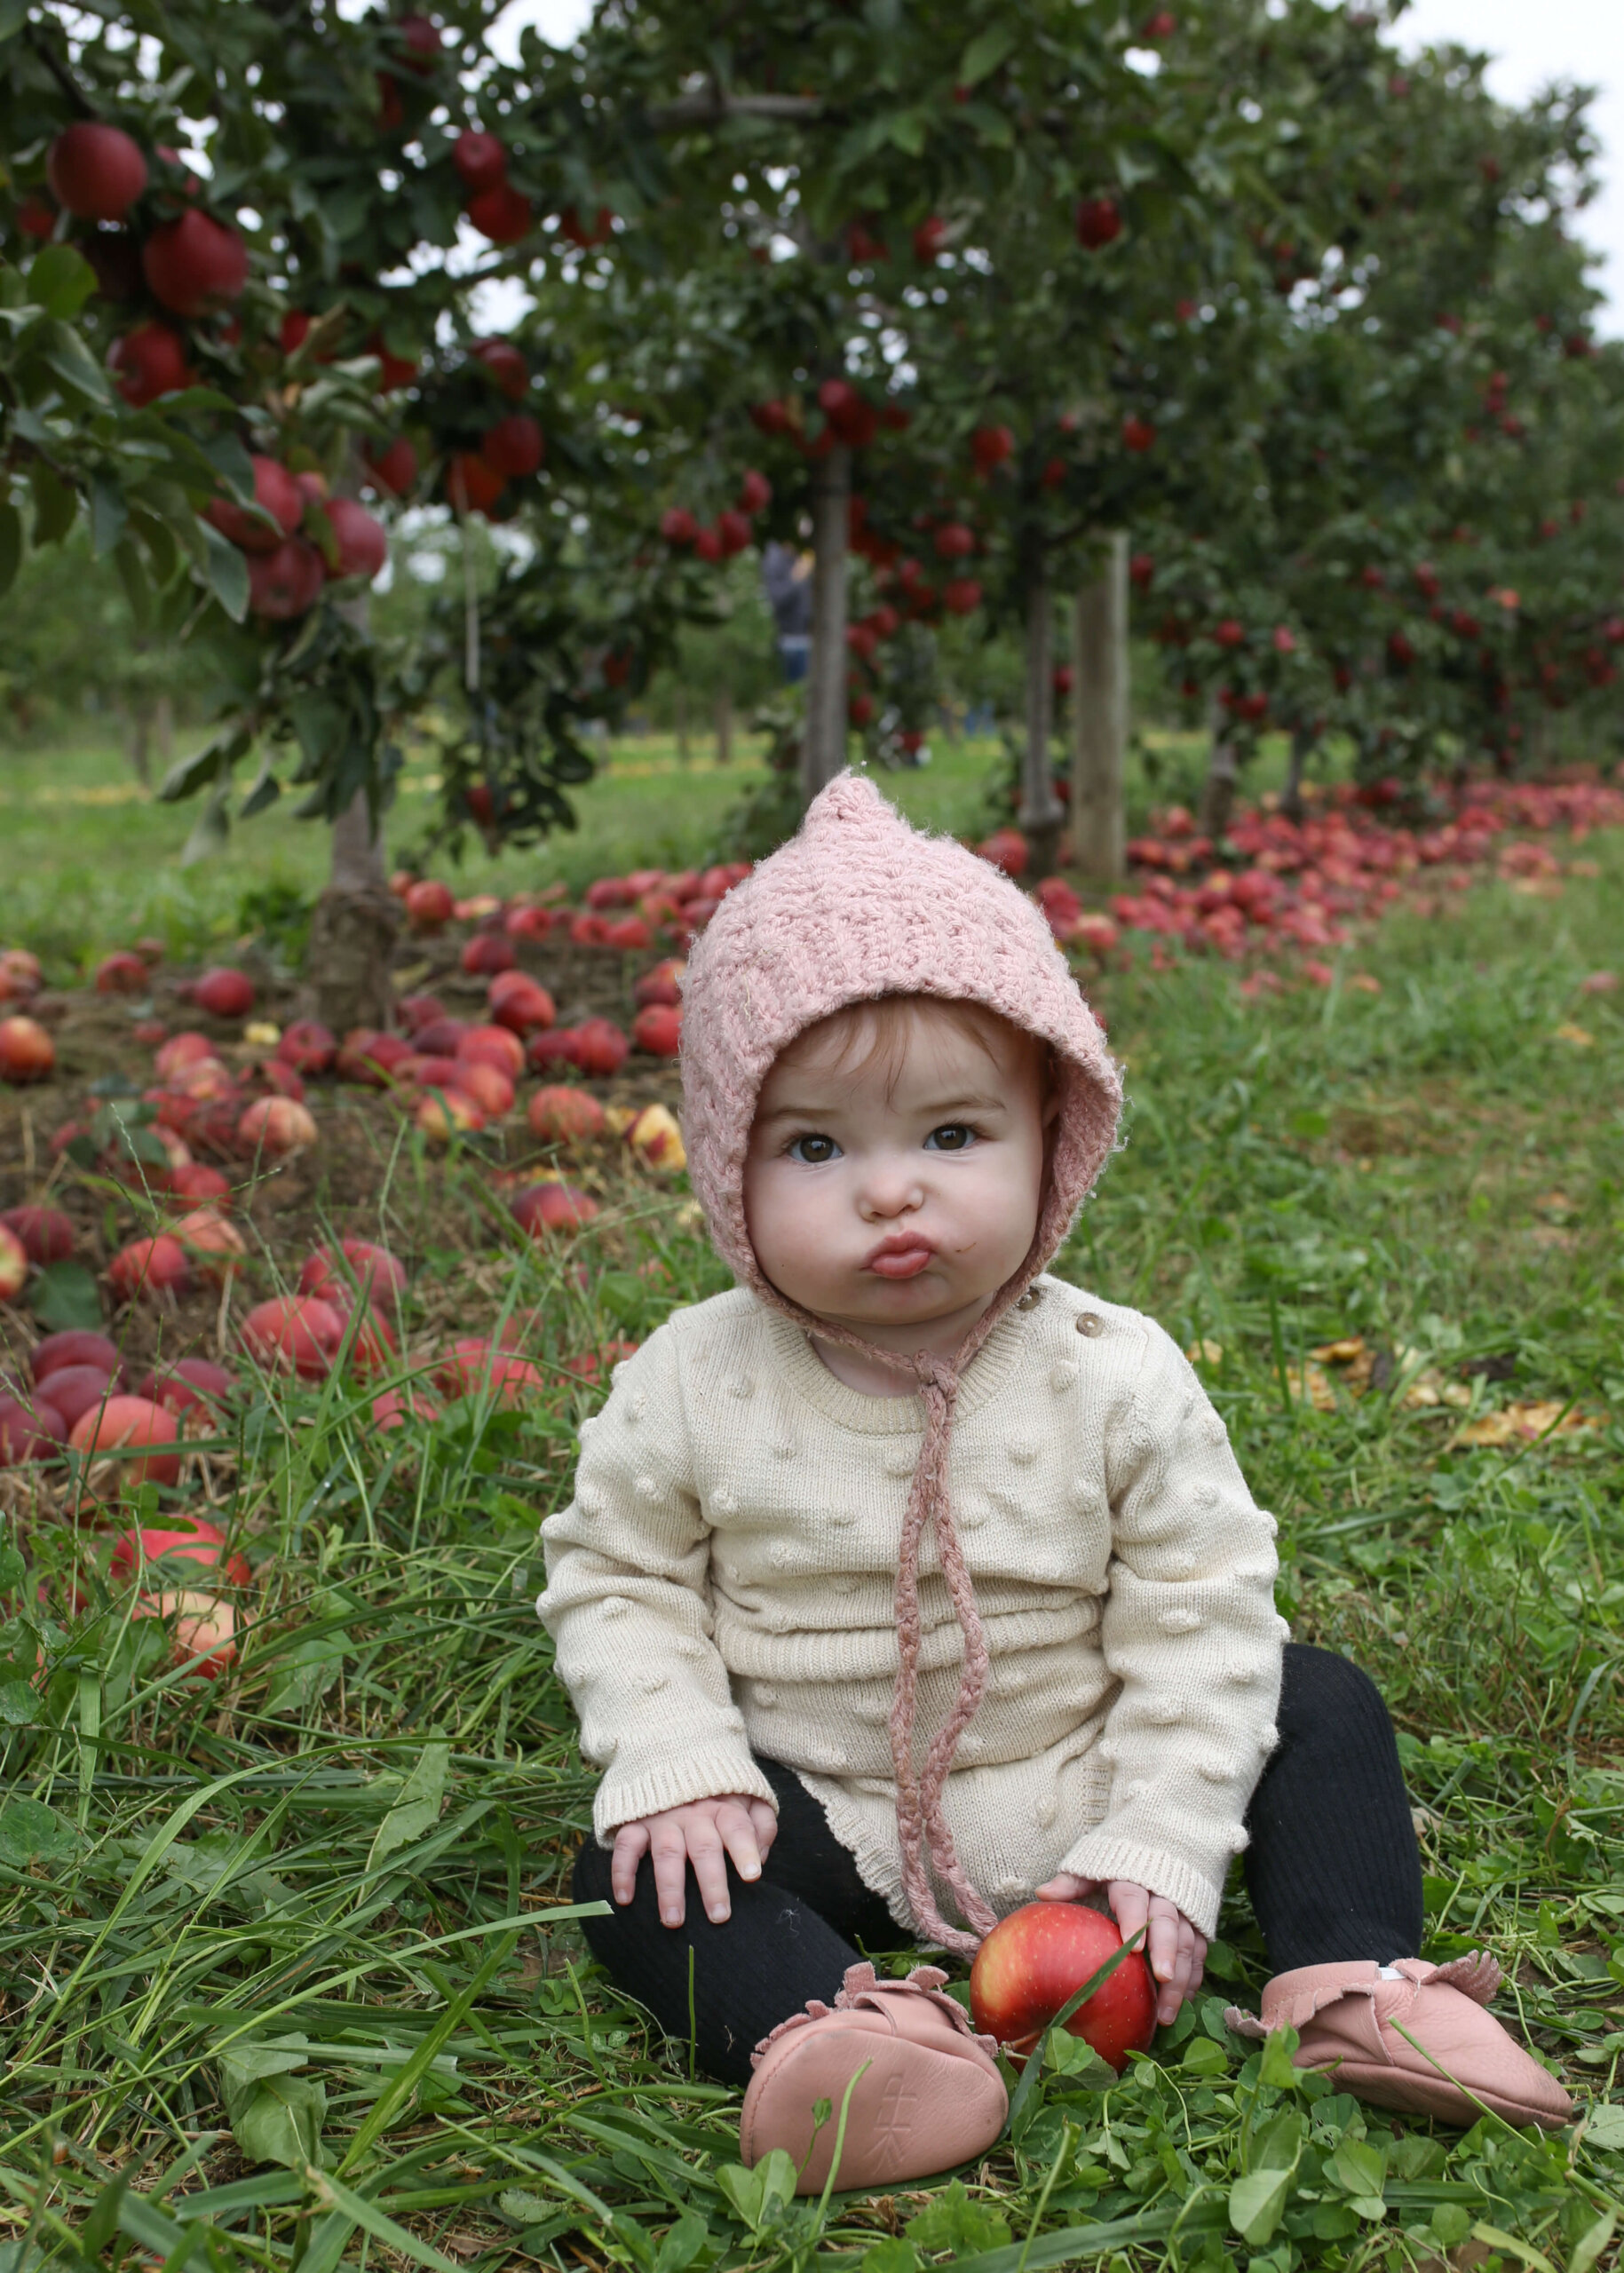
(922, 1824)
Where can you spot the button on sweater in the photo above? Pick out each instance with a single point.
(721, 1586)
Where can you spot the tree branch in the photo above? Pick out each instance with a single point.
(709, 106)
(59, 72)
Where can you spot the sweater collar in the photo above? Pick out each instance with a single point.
(800, 1365)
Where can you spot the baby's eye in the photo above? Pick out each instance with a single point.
(813, 1151)
(952, 1136)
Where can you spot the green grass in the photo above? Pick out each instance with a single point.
(323, 1889)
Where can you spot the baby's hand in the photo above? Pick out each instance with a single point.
(705, 1832)
(1177, 1954)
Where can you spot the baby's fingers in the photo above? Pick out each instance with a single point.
(630, 1846)
(736, 1825)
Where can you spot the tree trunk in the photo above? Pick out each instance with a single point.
(725, 727)
(1039, 813)
(1223, 772)
(137, 721)
(1291, 796)
(353, 928)
(823, 746)
(163, 726)
(1099, 715)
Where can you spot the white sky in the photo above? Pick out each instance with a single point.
(1533, 42)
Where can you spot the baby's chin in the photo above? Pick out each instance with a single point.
(866, 1300)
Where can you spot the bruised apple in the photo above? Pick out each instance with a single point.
(1037, 1957)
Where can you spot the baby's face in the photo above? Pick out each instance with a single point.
(895, 1187)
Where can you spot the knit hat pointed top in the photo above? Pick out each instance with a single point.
(859, 904)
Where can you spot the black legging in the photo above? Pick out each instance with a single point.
(1332, 1870)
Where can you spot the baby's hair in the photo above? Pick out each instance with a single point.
(875, 1031)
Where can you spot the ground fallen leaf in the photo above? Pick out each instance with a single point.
(1521, 1424)
(1339, 1353)
(1568, 1032)
(1205, 1352)
(1307, 1385)
(1365, 983)
(1538, 887)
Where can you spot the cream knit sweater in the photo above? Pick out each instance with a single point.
(721, 1587)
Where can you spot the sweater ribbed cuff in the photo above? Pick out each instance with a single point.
(1104, 1854)
(651, 1786)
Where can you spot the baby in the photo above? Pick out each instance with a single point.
(906, 1584)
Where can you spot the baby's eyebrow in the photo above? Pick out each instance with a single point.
(974, 1103)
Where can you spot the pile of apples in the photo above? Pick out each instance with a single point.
(26, 1051)
(624, 913)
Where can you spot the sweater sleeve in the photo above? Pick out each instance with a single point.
(627, 1603)
(1189, 1631)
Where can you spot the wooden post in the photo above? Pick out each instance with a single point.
(725, 727)
(1099, 715)
(1041, 811)
(823, 746)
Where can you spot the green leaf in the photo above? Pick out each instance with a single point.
(66, 1295)
(75, 365)
(1604, 2126)
(417, 1807)
(1278, 2145)
(954, 2221)
(756, 2194)
(251, 2059)
(1360, 2167)
(210, 831)
(227, 572)
(1276, 2069)
(61, 281)
(893, 2255)
(190, 774)
(984, 53)
(18, 1706)
(11, 544)
(231, 461)
(682, 2244)
(1257, 2203)
(307, 1672)
(1591, 2243)
(32, 1833)
(278, 2120)
(1523, 2250)
(906, 130)
(132, 575)
(109, 514)
(56, 504)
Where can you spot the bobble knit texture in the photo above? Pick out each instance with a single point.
(713, 1593)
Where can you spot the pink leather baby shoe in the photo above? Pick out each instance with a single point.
(1348, 2019)
(930, 2097)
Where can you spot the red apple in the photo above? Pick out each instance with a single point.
(28, 1433)
(187, 1049)
(192, 1181)
(446, 1110)
(96, 171)
(280, 504)
(505, 364)
(286, 584)
(520, 1003)
(122, 973)
(955, 542)
(930, 240)
(496, 1046)
(363, 543)
(147, 362)
(476, 1368)
(75, 1390)
(26, 1051)
(989, 446)
(486, 953)
(961, 596)
(224, 993)
(191, 1385)
(13, 1265)
(307, 1046)
(195, 264)
(544, 1207)
(1099, 223)
(490, 1087)
(558, 1114)
(197, 1542)
(275, 1126)
(664, 984)
(46, 1232)
(205, 1643)
(394, 469)
(393, 1408)
(600, 1048)
(502, 214)
(658, 1029)
(514, 445)
(677, 525)
(298, 1331)
(1041, 1955)
(420, 37)
(106, 1428)
(215, 1247)
(472, 484)
(149, 1266)
(74, 1346)
(376, 1273)
(1138, 434)
(480, 161)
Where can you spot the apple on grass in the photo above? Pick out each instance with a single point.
(1035, 1960)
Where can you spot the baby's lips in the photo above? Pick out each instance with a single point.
(901, 1262)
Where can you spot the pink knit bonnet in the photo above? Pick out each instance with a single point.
(858, 905)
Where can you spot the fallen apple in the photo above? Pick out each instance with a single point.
(558, 1114)
(191, 1385)
(193, 1540)
(275, 1126)
(150, 1266)
(13, 1265)
(46, 1234)
(26, 1051)
(298, 1332)
(1037, 1957)
(76, 1346)
(205, 1643)
(106, 1430)
(224, 993)
(544, 1208)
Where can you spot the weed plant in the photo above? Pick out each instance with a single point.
(291, 1975)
